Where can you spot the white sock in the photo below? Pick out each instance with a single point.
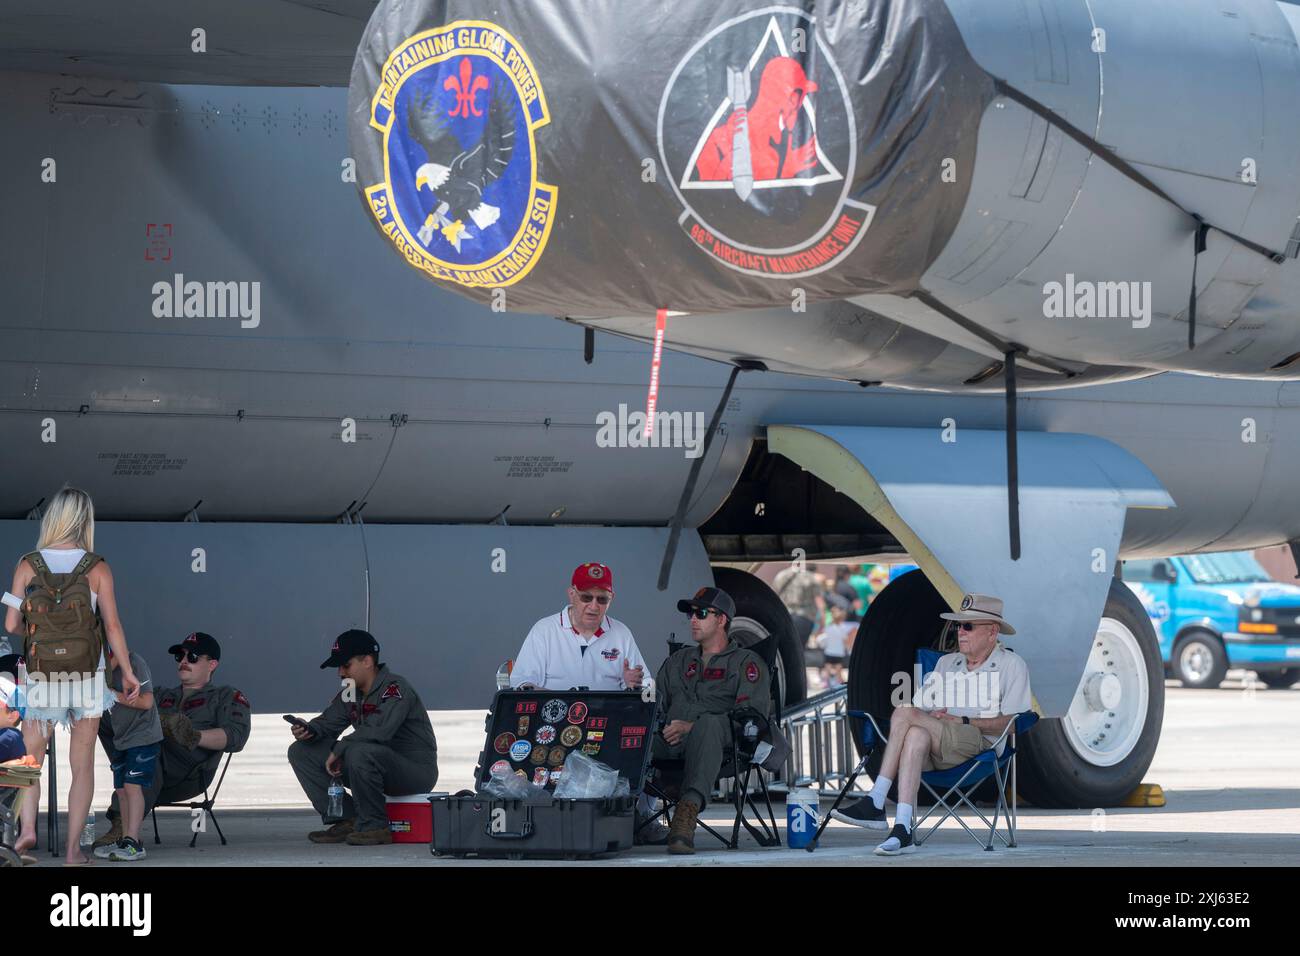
(903, 817)
(880, 791)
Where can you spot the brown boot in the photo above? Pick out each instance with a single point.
(375, 837)
(112, 836)
(681, 834)
(336, 833)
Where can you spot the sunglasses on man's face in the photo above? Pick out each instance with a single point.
(601, 599)
(187, 655)
(970, 625)
(702, 613)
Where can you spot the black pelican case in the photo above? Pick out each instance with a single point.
(532, 732)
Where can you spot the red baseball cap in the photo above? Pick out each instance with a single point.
(590, 576)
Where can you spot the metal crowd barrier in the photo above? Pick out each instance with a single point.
(822, 755)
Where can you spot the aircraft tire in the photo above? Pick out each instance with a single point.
(901, 618)
(1053, 770)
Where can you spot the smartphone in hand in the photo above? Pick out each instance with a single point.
(299, 722)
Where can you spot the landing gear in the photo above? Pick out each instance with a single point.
(1096, 754)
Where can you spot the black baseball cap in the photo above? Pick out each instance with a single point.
(199, 643)
(715, 598)
(350, 644)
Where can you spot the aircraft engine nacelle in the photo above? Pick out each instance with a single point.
(601, 159)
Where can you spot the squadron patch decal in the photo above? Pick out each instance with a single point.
(553, 711)
(458, 108)
(759, 140)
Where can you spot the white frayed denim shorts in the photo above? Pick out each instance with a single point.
(64, 700)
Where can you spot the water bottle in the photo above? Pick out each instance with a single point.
(334, 798)
(88, 831)
(801, 809)
(503, 675)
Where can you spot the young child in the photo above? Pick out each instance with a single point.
(836, 641)
(133, 754)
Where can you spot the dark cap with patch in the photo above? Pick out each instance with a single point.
(350, 644)
(199, 643)
(715, 598)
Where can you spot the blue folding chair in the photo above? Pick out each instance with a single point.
(959, 780)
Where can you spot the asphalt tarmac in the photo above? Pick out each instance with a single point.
(1229, 762)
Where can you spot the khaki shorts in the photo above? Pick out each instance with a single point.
(958, 742)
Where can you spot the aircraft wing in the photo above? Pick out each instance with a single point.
(247, 42)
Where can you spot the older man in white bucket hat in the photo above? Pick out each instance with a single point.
(959, 711)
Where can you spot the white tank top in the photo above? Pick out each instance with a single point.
(63, 560)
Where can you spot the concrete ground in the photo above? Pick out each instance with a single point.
(1229, 762)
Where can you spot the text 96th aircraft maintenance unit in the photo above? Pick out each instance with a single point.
(1021, 223)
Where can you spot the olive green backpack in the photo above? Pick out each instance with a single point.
(64, 632)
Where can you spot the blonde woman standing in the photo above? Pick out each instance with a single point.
(66, 546)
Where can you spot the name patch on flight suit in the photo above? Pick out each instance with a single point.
(715, 673)
(193, 702)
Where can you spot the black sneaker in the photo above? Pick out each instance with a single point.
(864, 813)
(899, 842)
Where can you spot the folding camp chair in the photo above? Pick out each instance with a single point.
(205, 805)
(958, 781)
(748, 726)
(14, 788)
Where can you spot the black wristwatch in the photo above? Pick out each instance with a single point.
(965, 720)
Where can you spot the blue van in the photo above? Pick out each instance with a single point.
(1213, 612)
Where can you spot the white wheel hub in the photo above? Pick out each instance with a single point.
(1195, 661)
(1109, 709)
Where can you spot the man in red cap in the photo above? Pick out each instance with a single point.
(581, 646)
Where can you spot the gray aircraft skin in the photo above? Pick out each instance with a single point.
(359, 448)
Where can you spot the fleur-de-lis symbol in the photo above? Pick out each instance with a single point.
(465, 89)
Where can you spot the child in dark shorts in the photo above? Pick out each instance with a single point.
(136, 739)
